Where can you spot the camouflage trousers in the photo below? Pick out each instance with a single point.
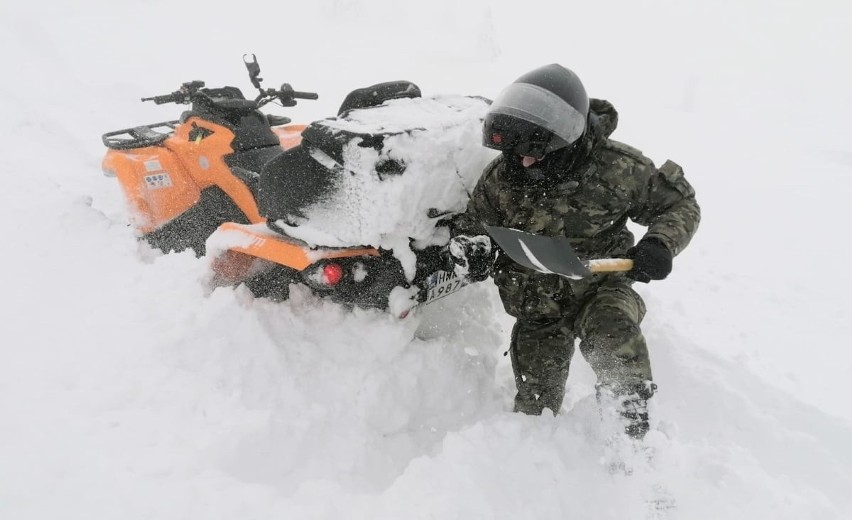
(607, 325)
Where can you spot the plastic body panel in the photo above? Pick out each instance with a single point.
(205, 159)
(155, 183)
(163, 182)
(289, 135)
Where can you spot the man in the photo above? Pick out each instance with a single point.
(559, 174)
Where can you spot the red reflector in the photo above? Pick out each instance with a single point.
(332, 274)
(496, 138)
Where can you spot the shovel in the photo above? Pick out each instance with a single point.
(552, 255)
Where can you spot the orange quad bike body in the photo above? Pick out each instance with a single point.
(166, 182)
(185, 181)
(162, 182)
(182, 179)
(178, 185)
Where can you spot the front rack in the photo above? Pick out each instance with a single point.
(139, 136)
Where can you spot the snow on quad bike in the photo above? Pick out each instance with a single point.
(360, 210)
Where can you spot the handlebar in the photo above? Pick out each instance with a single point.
(285, 96)
(181, 95)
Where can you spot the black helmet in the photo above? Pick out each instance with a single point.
(542, 111)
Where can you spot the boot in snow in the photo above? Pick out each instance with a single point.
(632, 405)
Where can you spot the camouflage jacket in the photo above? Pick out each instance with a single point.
(590, 204)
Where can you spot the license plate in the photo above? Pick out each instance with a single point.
(440, 284)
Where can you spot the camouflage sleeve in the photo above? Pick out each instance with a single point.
(667, 205)
(481, 208)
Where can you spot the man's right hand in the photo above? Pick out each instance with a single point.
(472, 256)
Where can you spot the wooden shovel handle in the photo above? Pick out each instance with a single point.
(610, 265)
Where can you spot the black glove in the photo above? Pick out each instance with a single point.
(471, 256)
(651, 260)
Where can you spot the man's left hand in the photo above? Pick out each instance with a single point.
(651, 260)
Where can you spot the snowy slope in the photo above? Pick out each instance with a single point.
(128, 391)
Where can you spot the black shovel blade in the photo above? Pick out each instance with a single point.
(551, 255)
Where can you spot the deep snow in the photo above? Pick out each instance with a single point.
(127, 390)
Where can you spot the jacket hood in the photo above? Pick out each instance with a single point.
(603, 118)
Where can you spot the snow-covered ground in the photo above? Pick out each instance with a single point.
(127, 391)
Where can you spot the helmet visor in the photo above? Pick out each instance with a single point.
(508, 133)
(541, 108)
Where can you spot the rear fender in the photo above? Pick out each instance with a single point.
(232, 246)
(240, 252)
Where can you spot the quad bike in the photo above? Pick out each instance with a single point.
(228, 181)
(183, 179)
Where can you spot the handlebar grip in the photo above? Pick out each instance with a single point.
(174, 97)
(168, 98)
(305, 95)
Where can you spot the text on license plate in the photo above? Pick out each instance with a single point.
(440, 284)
